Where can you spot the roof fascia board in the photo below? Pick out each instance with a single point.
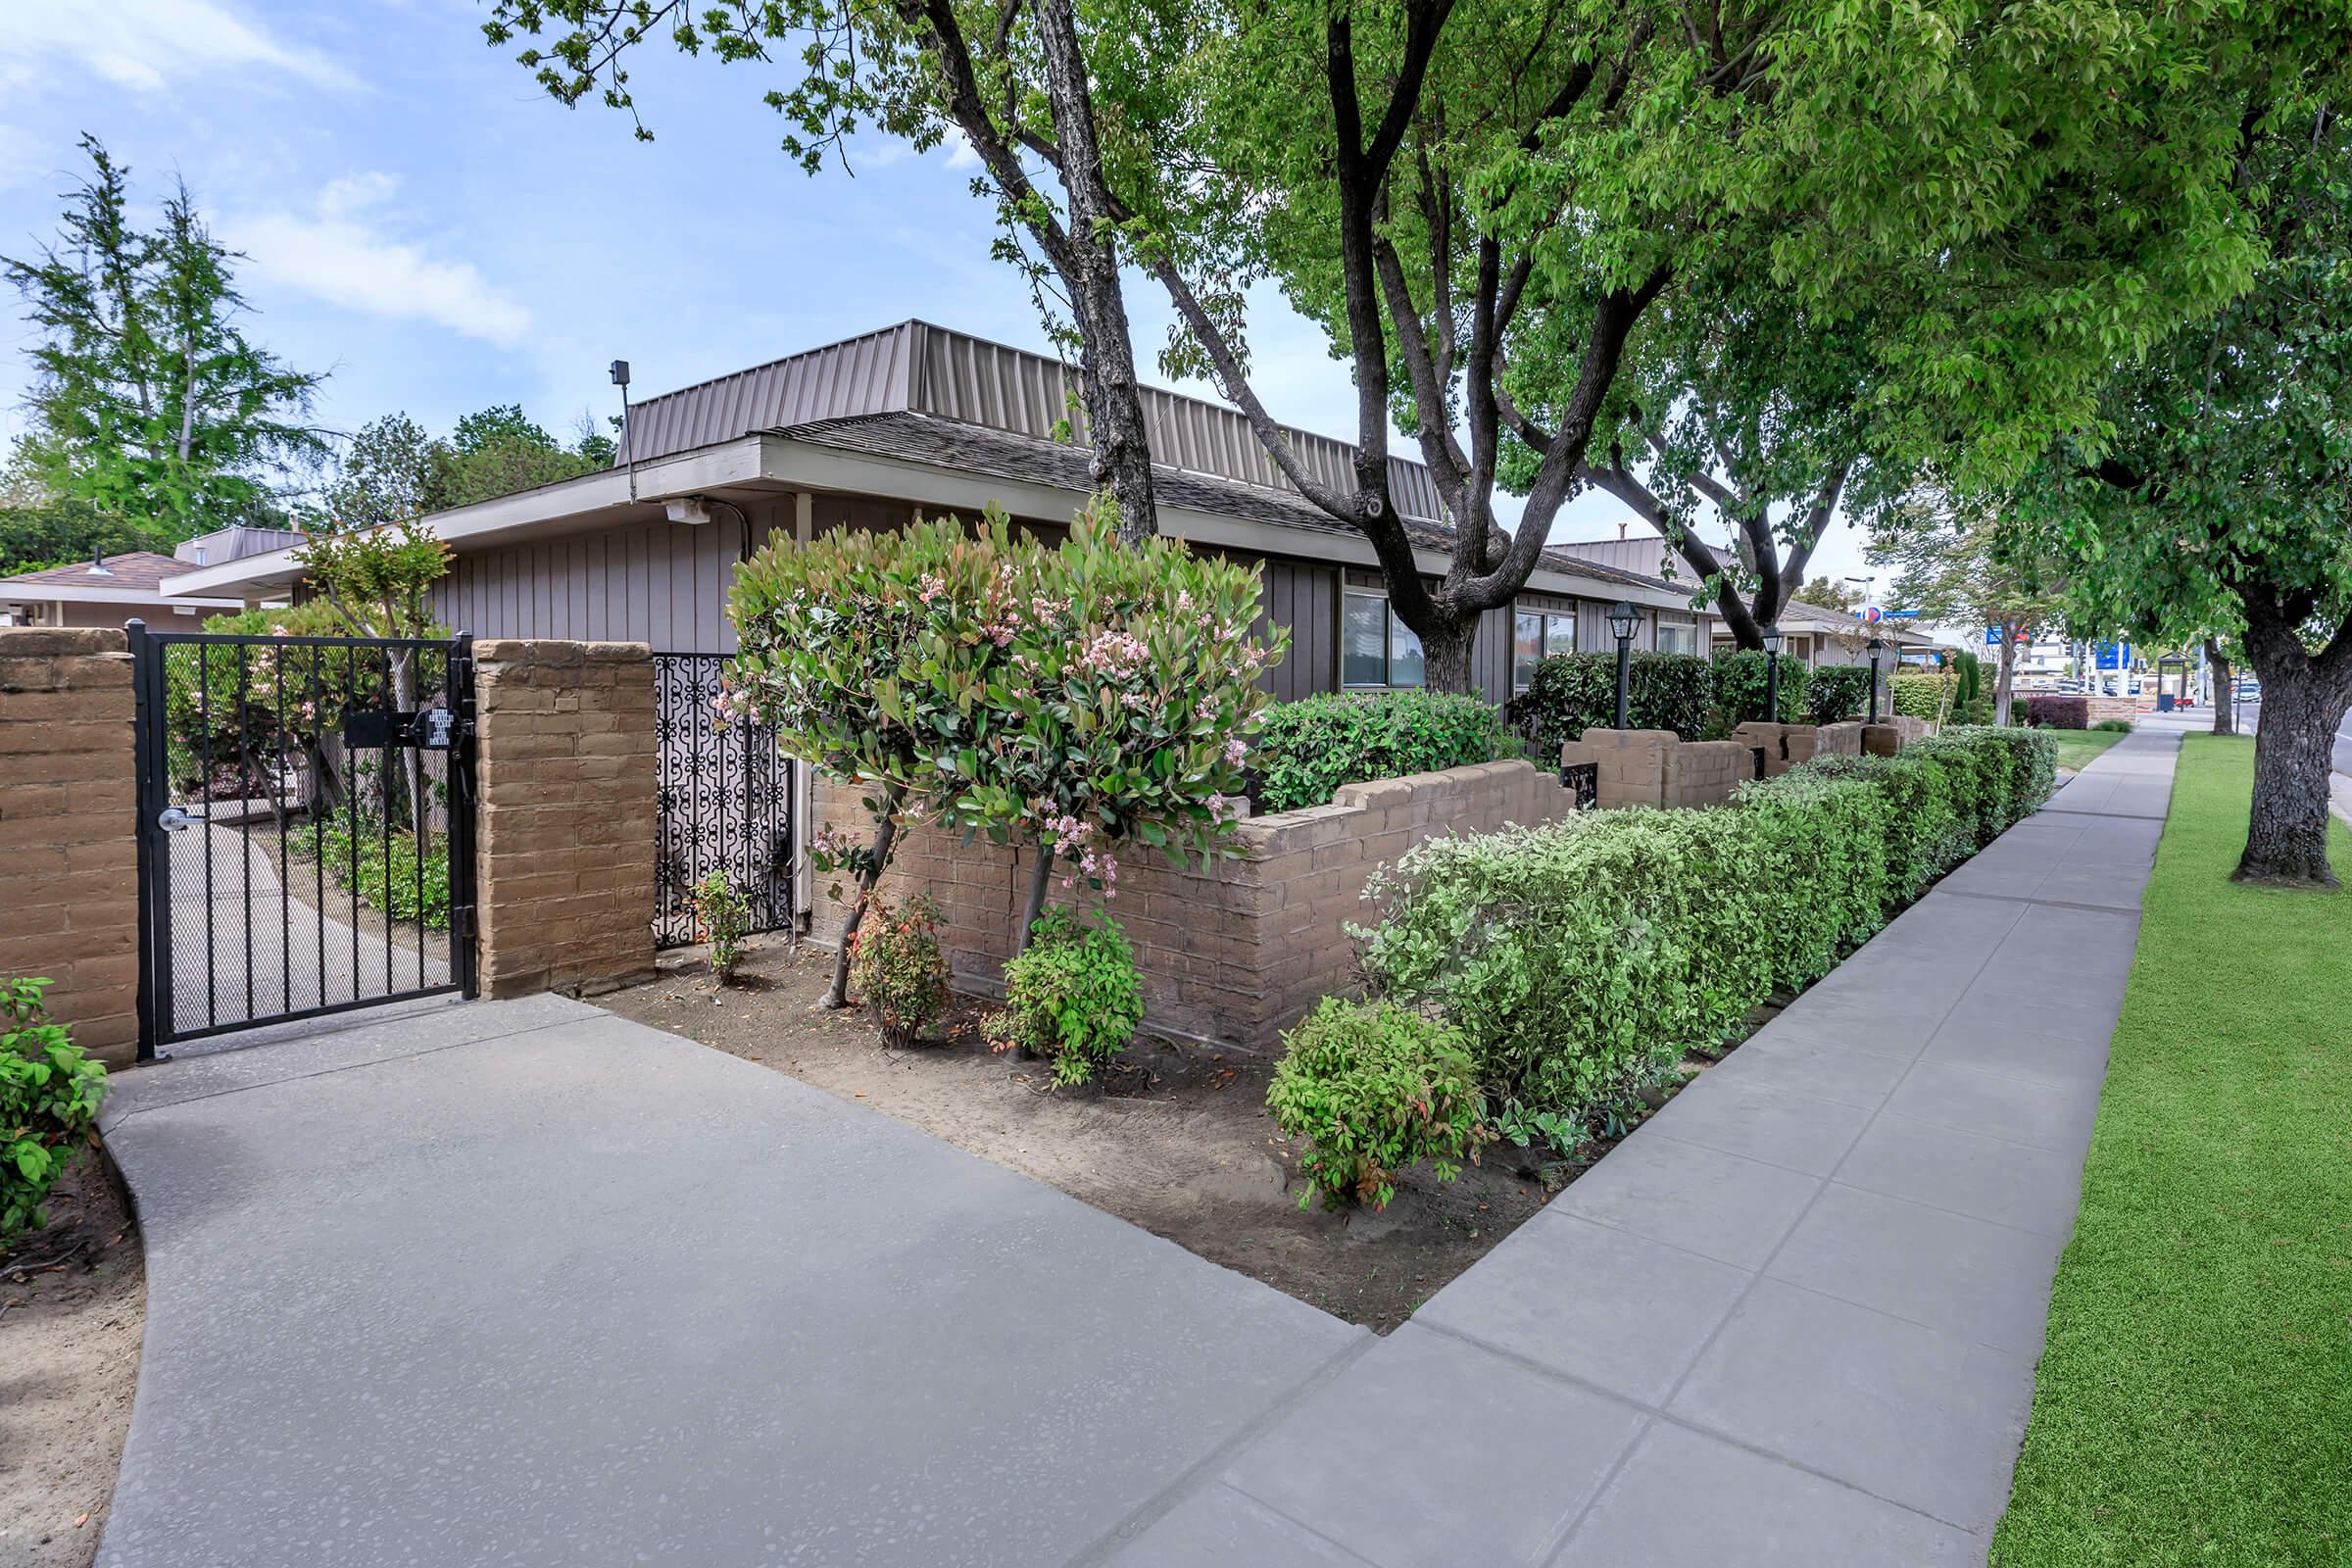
(73, 594)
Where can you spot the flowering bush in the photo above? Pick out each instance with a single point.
(1127, 715)
(881, 658)
(899, 970)
(49, 1095)
(1072, 997)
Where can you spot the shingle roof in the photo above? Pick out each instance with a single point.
(1000, 454)
(137, 572)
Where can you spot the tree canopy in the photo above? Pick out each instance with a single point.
(149, 403)
(392, 469)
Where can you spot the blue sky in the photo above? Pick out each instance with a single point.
(426, 224)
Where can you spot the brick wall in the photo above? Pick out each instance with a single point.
(1237, 953)
(67, 799)
(1657, 768)
(566, 774)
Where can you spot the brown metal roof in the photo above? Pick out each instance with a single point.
(136, 572)
(975, 449)
(920, 368)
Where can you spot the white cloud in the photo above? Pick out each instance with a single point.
(962, 154)
(343, 254)
(148, 45)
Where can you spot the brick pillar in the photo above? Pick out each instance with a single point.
(70, 908)
(1636, 766)
(564, 853)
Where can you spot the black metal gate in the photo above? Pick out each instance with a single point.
(724, 804)
(305, 829)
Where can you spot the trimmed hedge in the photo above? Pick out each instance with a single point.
(1741, 688)
(1581, 960)
(1917, 693)
(2058, 710)
(1309, 748)
(1571, 693)
(1835, 693)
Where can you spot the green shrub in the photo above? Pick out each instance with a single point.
(1922, 694)
(381, 869)
(1375, 1087)
(1073, 998)
(1581, 960)
(1741, 677)
(49, 1095)
(723, 919)
(896, 968)
(2113, 726)
(1968, 675)
(1571, 693)
(1309, 748)
(1835, 693)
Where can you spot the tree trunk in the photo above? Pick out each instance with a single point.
(837, 995)
(2287, 835)
(1445, 652)
(1041, 874)
(1114, 405)
(2006, 681)
(2225, 690)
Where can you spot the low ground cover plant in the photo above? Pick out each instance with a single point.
(49, 1097)
(1581, 960)
(1375, 1087)
(896, 968)
(359, 856)
(1571, 693)
(1072, 996)
(1309, 748)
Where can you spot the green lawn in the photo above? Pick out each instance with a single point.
(2195, 1403)
(2079, 745)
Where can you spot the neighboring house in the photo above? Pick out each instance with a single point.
(915, 419)
(106, 591)
(1815, 635)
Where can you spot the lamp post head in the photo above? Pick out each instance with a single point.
(1877, 647)
(1772, 639)
(1623, 619)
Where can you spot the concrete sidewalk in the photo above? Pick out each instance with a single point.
(522, 1283)
(1791, 1320)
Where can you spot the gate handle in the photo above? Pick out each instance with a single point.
(172, 819)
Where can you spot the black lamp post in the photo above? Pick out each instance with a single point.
(1772, 673)
(1624, 619)
(1877, 648)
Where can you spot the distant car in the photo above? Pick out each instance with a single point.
(2249, 691)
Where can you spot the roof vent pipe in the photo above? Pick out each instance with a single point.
(628, 447)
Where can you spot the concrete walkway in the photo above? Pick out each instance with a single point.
(1791, 1320)
(522, 1283)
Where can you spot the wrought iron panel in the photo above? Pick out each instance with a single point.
(724, 804)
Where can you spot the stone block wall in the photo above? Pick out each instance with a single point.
(566, 774)
(70, 907)
(1233, 954)
(1657, 768)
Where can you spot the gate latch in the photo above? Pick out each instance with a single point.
(172, 819)
(437, 731)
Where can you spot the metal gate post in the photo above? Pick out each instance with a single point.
(146, 805)
(463, 958)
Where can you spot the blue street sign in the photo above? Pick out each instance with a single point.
(1903, 614)
(2115, 655)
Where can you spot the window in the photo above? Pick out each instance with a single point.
(1376, 649)
(1677, 639)
(1535, 635)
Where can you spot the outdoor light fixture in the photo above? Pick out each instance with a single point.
(1772, 673)
(1624, 619)
(628, 447)
(1877, 649)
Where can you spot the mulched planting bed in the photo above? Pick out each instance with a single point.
(1177, 1141)
(72, 1308)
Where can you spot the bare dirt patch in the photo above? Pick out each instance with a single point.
(72, 1308)
(1181, 1145)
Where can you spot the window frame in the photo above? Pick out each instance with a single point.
(1545, 620)
(1391, 628)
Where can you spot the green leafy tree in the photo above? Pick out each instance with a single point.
(1829, 594)
(149, 402)
(37, 529)
(1017, 82)
(392, 467)
(1957, 563)
(2214, 490)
